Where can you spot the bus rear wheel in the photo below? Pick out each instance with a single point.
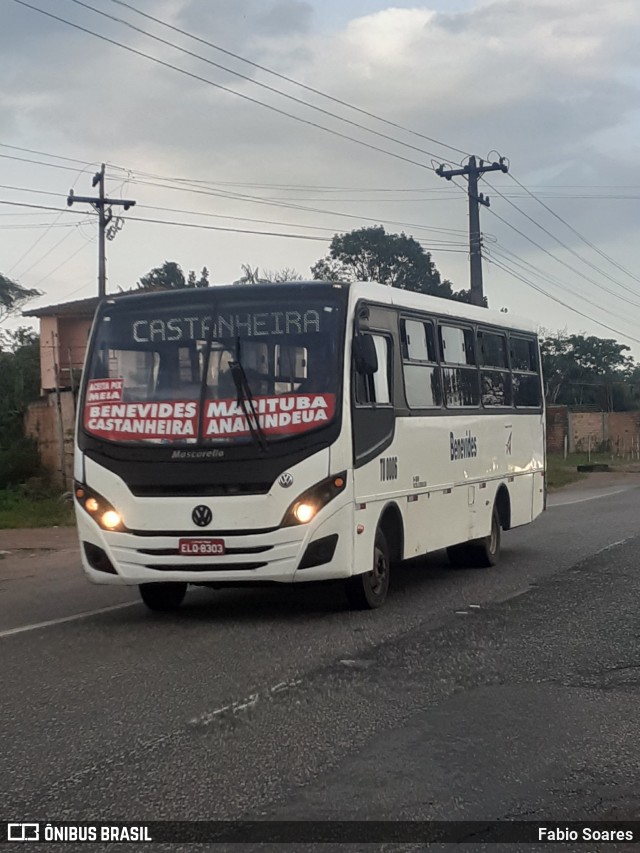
(163, 597)
(479, 553)
(368, 590)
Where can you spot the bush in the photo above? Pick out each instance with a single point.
(19, 463)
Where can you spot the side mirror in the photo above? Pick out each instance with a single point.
(365, 356)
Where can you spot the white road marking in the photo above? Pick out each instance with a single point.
(591, 498)
(63, 619)
(251, 701)
(612, 545)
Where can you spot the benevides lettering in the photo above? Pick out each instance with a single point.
(463, 448)
(188, 409)
(244, 324)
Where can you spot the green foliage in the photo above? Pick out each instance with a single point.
(19, 386)
(19, 381)
(19, 462)
(170, 276)
(370, 254)
(465, 296)
(49, 509)
(587, 370)
(13, 296)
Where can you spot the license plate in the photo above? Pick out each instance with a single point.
(201, 547)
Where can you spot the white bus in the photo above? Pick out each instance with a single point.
(301, 432)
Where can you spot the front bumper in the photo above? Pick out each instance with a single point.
(270, 556)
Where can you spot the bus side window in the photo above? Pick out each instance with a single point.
(527, 390)
(460, 380)
(495, 378)
(374, 390)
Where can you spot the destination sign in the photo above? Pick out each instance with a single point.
(243, 324)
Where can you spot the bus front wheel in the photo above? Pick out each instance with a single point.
(368, 590)
(480, 553)
(163, 597)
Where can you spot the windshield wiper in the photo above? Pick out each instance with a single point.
(245, 397)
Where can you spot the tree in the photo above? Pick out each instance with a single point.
(252, 276)
(465, 296)
(19, 385)
(13, 296)
(580, 369)
(170, 276)
(370, 254)
(203, 281)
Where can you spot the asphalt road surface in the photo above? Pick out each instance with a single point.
(509, 693)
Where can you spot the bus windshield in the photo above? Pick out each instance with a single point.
(168, 373)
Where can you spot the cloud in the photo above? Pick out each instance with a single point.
(552, 85)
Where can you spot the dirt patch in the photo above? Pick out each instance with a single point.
(32, 540)
(604, 480)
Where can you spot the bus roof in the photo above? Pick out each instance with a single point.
(437, 305)
(370, 290)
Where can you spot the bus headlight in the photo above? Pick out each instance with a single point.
(309, 503)
(98, 508)
(111, 519)
(304, 512)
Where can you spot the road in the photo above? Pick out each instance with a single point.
(472, 695)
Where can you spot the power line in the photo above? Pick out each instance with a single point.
(541, 290)
(570, 250)
(65, 262)
(228, 216)
(84, 163)
(49, 251)
(512, 258)
(576, 232)
(251, 80)
(291, 80)
(599, 285)
(292, 206)
(220, 86)
(44, 207)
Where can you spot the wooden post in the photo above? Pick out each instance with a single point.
(61, 449)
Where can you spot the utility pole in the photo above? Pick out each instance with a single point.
(472, 170)
(103, 206)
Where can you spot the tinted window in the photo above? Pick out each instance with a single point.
(523, 354)
(456, 345)
(526, 389)
(461, 386)
(492, 349)
(418, 341)
(375, 389)
(496, 388)
(422, 386)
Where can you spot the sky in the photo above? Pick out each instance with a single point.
(551, 85)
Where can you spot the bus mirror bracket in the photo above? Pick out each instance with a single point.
(364, 355)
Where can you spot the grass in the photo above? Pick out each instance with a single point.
(19, 510)
(561, 472)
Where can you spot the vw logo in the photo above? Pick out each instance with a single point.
(202, 515)
(286, 480)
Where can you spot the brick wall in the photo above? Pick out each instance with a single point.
(615, 432)
(557, 427)
(585, 426)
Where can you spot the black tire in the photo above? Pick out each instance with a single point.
(368, 591)
(163, 597)
(479, 553)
